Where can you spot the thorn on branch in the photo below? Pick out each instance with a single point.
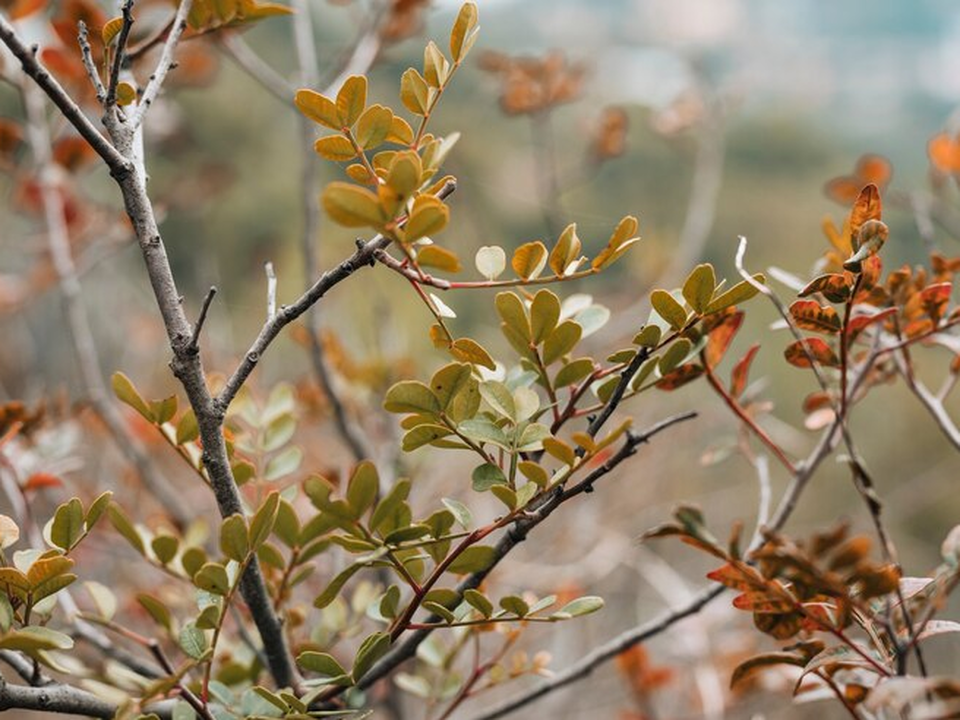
(195, 338)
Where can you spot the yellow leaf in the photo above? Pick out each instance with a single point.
(405, 172)
(468, 350)
(352, 206)
(566, 252)
(440, 258)
(464, 32)
(351, 100)
(374, 126)
(529, 259)
(318, 108)
(428, 217)
(400, 131)
(126, 94)
(414, 92)
(335, 147)
(110, 30)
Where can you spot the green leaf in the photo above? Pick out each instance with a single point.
(515, 604)
(187, 428)
(164, 410)
(581, 606)
(388, 506)
(561, 341)
(649, 336)
(320, 663)
(234, 541)
(318, 108)
(544, 314)
(363, 488)
(192, 560)
(371, 649)
(287, 525)
(125, 391)
(573, 372)
(352, 206)
(499, 398)
(283, 463)
(741, 292)
(121, 523)
(193, 641)
(668, 308)
(483, 430)
(213, 578)
(156, 609)
(165, 547)
(510, 308)
(34, 638)
(699, 286)
(351, 100)
(449, 381)
(68, 524)
(423, 435)
(7, 615)
(674, 355)
(333, 589)
(262, 523)
(486, 476)
(411, 396)
(479, 602)
(532, 437)
(474, 559)
(405, 534)
(460, 511)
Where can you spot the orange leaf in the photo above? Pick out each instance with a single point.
(811, 315)
(833, 286)
(798, 354)
(867, 207)
(720, 338)
(680, 376)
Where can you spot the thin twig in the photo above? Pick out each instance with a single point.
(152, 90)
(202, 318)
(237, 49)
(86, 53)
(119, 56)
(271, 290)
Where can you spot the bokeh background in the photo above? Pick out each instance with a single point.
(738, 112)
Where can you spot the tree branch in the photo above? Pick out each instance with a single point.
(55, 698)
(364, 255)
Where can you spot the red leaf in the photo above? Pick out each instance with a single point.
(833, 286)
(38, 481)
(741, 371)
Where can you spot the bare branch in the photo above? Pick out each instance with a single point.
(55, 698)
(86, 52)
(202, 318)
(119, 56)
(271, 290)
(237, 49)
(592, 660)
(152, 90)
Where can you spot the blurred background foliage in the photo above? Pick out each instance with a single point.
(784, 95)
